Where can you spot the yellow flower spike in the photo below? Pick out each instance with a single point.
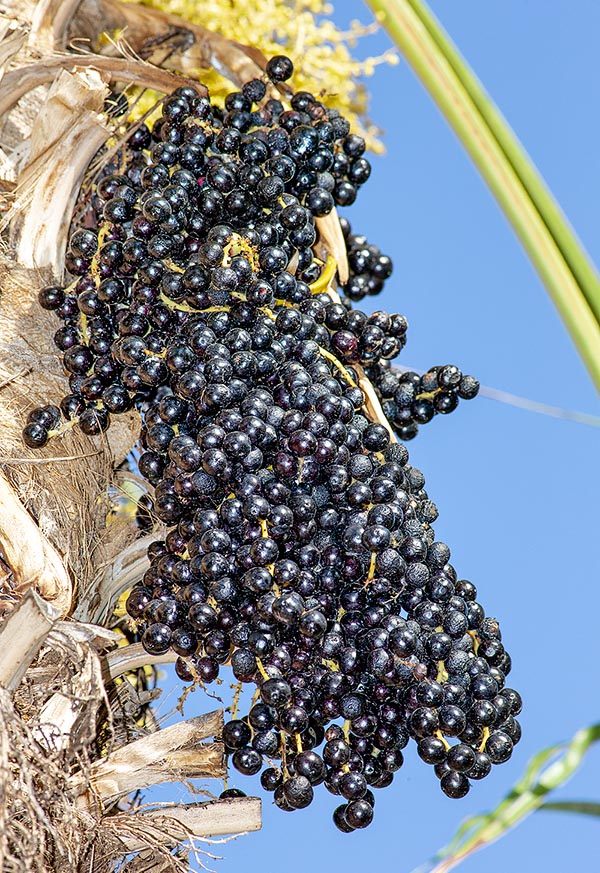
(339, 366)
(94, 269)
(442, 674)
(486, 734)
(261, 669)
(173, 266)
(63, 428)
(301, 29)
(237, 689)
(371, 573)
(184, 307)
(120, 610)
(328, 272)
(476, 641)
(441, 737)
(84, 327)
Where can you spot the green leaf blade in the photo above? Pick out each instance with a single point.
(565, 269)
(544, 773)
(581, 807)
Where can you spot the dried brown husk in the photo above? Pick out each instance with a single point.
(57, 790)
(59, 782)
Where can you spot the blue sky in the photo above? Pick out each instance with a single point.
(517, 492)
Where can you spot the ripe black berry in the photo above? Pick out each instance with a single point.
(454, 785)
(279, 68)
(299, 546)
(359, 814)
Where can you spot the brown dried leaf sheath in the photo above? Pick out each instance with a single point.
(21, 637)
(171, 754)
(202, 819)
(67, 499)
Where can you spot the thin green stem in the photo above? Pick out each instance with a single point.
(542, 776)
(579, 807)
(555, 220)
(551, 245)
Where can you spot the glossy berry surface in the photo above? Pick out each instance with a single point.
(299, 547)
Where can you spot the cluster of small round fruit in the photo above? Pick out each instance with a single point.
(300, 549)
